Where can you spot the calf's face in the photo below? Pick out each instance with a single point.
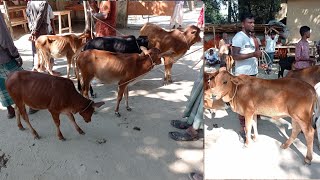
(88, 111)
(222, 84)
(193, 33)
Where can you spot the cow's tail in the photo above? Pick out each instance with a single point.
(316, 113)
(316, 107)
(75, 60)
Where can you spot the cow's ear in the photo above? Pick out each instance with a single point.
(97, 104)
(144, 49)
(193, 31)
(237, 80)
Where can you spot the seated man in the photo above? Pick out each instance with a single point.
(212, 58)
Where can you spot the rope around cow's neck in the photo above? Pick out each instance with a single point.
(186, 40)
(86, 107)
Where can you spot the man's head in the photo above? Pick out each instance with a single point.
(247, 21)
(224, 35)
(305, 31)
(211, 51)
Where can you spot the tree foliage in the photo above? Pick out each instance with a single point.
(263, 10)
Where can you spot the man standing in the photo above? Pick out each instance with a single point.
(302, 55)
(10, 61)
(37, 15)
(271, 36)
(245, 54)
(177, 15)
(37, 12)
(224, 49)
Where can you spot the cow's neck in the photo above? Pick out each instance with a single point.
(80, 103)
(144, 64)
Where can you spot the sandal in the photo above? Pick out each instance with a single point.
(195, 176)
(177, 136)
(180, 124)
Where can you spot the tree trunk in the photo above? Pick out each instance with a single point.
(229, 11)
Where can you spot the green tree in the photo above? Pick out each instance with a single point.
(212, 12)
(263, 10)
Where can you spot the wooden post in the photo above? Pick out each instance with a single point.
(7, 18)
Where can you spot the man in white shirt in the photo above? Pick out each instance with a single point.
(245, 51)
(271, 36)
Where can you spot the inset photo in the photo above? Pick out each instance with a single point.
(261, 89)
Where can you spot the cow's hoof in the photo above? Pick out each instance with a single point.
(94, 95)
(255, 139)
(22, 128)
(129, 108)
(283, 146)
(36, 137)
(62, 138)
(117, 114)
(81, 132)
(307, 161)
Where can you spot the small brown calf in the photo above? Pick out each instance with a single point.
(250, 96)
(109, 67)
(43, 91)
(58, 46)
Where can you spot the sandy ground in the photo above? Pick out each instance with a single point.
(226, 158)
(111, 147)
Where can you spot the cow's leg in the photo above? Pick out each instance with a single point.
(168, 61)
(86, 86)
(93, 95)
(248, 127)
(73, 121)
(308, 132)
(56, 120)
(296, 129)
(255, 128)
(121, 90)
(24, 114)
(69, 59)
(126, 94)
(18, 117)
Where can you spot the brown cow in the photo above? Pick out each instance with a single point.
(58, 46)
(120, 68)
(177, 41)
(43, 91)
(249, 96)
(310, 75)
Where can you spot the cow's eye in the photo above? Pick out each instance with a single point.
(225, 82)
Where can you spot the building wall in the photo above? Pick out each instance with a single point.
(303, 13)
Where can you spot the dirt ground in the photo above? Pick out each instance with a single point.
(134, 146)
(226, 158)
